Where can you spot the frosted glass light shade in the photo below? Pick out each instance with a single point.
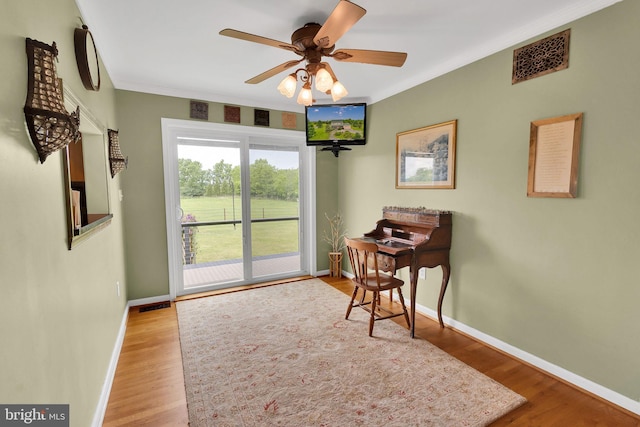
(305, 97)
(324, 82)
(287, 86)
(338, 91)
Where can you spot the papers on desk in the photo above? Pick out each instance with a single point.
(393, 243)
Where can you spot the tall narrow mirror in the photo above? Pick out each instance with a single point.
(86, 177)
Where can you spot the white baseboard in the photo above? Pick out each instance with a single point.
(101, 407)
(150, 300)
(568, 376)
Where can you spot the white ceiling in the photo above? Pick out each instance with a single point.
(171, 47)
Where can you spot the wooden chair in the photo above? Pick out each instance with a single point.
(364, 265)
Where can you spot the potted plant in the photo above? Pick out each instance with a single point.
(335, 238)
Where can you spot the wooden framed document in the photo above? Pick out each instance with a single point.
(554, 150)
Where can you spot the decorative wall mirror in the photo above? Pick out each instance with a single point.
(86, 177)
(87, 58)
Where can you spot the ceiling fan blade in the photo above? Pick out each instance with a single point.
(339, 22)
(377, 57)
(272, 72)
(258, 39)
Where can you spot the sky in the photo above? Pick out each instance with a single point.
(209, 156)
(328, 112)
(412, 164)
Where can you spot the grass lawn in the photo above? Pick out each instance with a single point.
(224, 242)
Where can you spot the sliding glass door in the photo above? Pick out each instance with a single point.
(211, 212)
(238, 205)
(274, 176)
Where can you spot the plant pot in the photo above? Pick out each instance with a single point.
(335, 264)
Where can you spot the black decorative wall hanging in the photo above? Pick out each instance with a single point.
(261, 117)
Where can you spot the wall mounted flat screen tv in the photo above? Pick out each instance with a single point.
(336, 124)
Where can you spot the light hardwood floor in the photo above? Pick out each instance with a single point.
(148, 388)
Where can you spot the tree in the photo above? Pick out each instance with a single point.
(193, 180)
(311, 130)
(235, 177)
(286, 184)
(221, 178)
(422, 175)
(262, 178)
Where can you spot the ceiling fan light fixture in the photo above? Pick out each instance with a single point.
(338, 91)
(324, 82)
(305, 97)
(312, 42)
(287, 86)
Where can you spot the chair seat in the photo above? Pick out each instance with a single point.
(386, 282)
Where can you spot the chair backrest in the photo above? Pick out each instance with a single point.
(362, 256)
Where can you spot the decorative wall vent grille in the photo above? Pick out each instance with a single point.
(545, 56)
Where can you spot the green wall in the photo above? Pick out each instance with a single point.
(327, 174)
(553, 277)
(60, 311)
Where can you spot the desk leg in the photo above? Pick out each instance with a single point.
(413, 274)
(446, 272)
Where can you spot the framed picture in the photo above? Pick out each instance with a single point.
(261, 117)
(554, 147)
(199, 110)
(231, 114)
(426, 157)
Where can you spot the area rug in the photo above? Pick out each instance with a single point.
(284, 355)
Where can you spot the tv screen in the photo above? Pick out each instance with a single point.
(336, 124)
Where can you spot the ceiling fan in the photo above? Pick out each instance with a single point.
(313, 42)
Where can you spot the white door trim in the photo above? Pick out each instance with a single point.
(172, 128)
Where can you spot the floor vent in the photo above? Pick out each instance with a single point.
(158, 306)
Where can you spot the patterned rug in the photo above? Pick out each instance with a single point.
(285, 356)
